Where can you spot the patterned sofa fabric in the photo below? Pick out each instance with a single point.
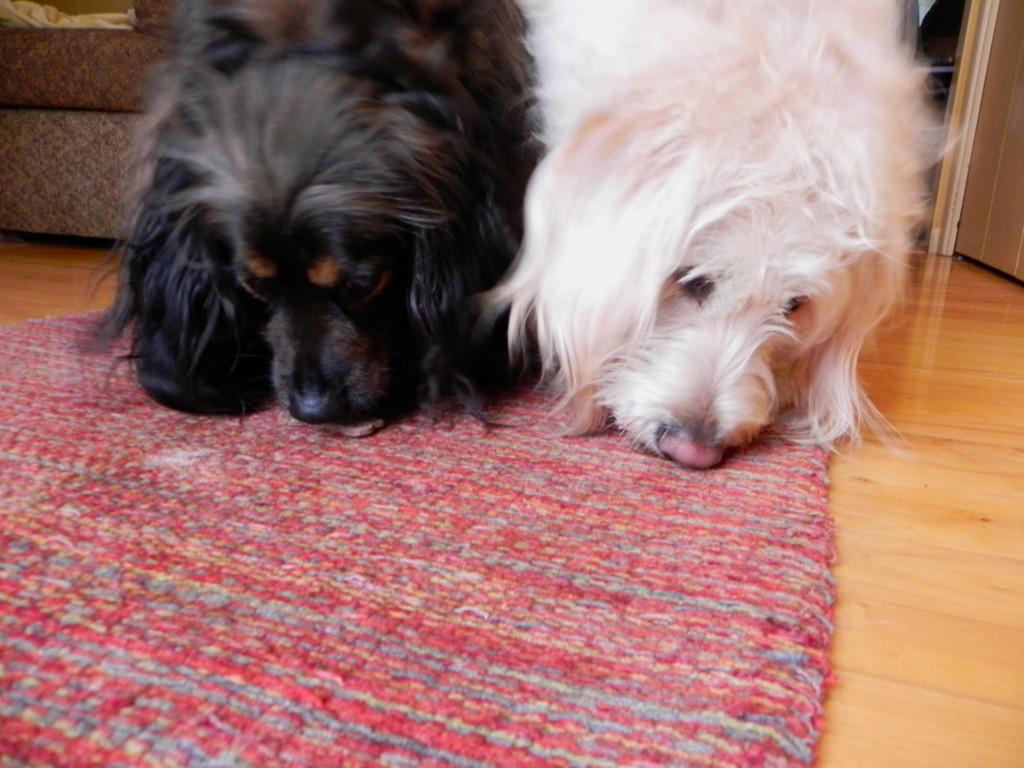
(75, 68)
(66, 104)
(64, 172)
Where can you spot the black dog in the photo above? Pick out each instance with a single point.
(325, 187)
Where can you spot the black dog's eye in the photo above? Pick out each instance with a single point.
(362, 288)
(260, 288)
(698, 288)
(257, 276)
(255, 288)
(794, 304)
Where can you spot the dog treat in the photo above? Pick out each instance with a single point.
(365, 429)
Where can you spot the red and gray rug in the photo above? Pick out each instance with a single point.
(178, 590)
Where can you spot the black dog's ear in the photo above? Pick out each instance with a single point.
(196, 334)
(453, 262)
(437, 295)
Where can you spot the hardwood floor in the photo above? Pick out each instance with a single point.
(929, 648)
(38, 280)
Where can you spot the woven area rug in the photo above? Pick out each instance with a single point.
(182, 590)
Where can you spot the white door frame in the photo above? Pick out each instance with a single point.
(962, 121)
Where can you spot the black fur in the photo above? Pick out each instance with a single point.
(325, 187)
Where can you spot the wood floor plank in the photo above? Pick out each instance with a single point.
(935, 651)
(41, 282)
(43, 254)
(923, 468)
(946, 581)
(957, 522)
(891, 725)
(986, 348)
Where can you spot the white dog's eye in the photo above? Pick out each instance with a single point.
(698, 288)
(795, 304)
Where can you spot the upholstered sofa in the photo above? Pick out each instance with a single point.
(69, 103)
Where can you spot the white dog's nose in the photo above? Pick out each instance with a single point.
(679, 446)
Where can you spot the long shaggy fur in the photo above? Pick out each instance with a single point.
(323, 188)
(723, 215)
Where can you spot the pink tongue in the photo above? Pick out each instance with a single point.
(682, 449)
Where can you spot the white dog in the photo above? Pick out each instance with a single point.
(723, 215)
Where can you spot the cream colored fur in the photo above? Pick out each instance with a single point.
(775, 148)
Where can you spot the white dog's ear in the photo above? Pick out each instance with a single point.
(606, 215)
(830, 403)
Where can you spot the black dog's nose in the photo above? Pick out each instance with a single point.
(311, 405)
